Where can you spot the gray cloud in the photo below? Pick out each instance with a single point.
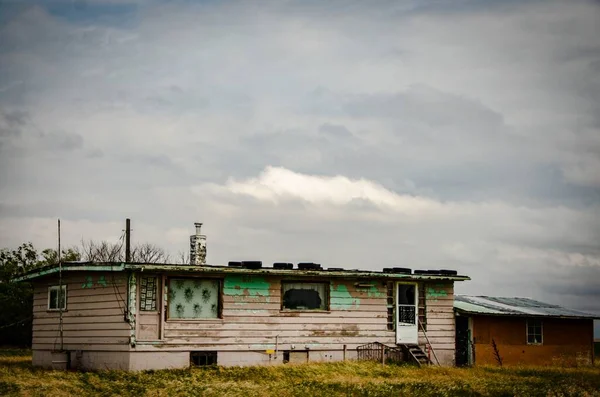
(487, 113)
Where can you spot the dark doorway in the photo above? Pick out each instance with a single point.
(462, 341)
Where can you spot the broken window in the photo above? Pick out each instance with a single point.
(148, 294)
(193, 298)
(57, 297)
(406, 303)
(534, 332)
(305, 296)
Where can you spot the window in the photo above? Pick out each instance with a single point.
(534, 332)
(148, 294)
(193, 298)
(305, 296)
(201, 359)
(406, 303)
(57, 297)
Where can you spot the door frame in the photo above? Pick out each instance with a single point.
(414, 337)
(157, 312)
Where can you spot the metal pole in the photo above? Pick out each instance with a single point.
(60, 293)
(127, 240)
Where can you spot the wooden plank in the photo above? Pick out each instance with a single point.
(170, 326)
(81, 320)
(103, 333)
(82, 340)
(439, 315)
(288, 340)
(75, 306)
(89, 326)
(235, 299)
(80, 297)
(243, 306)
(433, 334)
(440, 321)
(78, 313)
(230, 312)
(440, 303)
(81, 346)
(168, 346)
(306, 334)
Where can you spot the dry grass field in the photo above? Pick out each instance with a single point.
(19, 378)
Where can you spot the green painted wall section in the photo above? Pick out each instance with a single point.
(341, 299)
(89, 282)
(246, 286)
(373, 292)
(432, 293)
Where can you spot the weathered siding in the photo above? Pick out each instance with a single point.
(439, 302)
(253, 320)
(93, 320)
(565, 341)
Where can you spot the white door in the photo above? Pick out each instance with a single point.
(407, 329)
(148, 318)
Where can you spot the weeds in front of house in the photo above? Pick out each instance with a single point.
(18, 377)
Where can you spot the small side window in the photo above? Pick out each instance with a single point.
(534, 332)
(57, 297)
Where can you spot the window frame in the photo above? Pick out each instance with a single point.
(541, 325)
(327, 285)
(57, 288)
(167, 292)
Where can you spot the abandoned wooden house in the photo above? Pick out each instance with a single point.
(509, 331)
(140, 316)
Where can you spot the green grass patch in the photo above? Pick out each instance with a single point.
(19, 378)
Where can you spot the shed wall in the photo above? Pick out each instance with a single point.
(93, 321)
(565, 341)
(253, 323)
(439, 305)
(253, 320)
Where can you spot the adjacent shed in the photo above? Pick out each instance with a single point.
(490, 330)
(147, 316)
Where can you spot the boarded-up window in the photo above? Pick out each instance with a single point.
(57, 297)
(148, 294)
(305, 296)
(193, 298)
(534, 332)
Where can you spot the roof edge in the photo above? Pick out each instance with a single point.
(121, 266)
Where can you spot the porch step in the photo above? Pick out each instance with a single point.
(417, 354)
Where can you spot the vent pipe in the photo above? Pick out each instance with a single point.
(198, 247)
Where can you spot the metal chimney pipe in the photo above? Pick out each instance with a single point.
(198, 247)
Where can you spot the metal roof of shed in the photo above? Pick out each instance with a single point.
(522, 307)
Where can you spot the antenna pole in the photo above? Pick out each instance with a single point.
(61, 298)
(128, 240)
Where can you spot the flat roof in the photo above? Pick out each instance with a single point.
(518, 307)
(220, 269)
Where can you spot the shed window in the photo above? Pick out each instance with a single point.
(148, 294)
(305, 296)
(57, 297)
(193, 298)
(534, 332)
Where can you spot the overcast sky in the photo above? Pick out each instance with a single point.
(443, 134)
